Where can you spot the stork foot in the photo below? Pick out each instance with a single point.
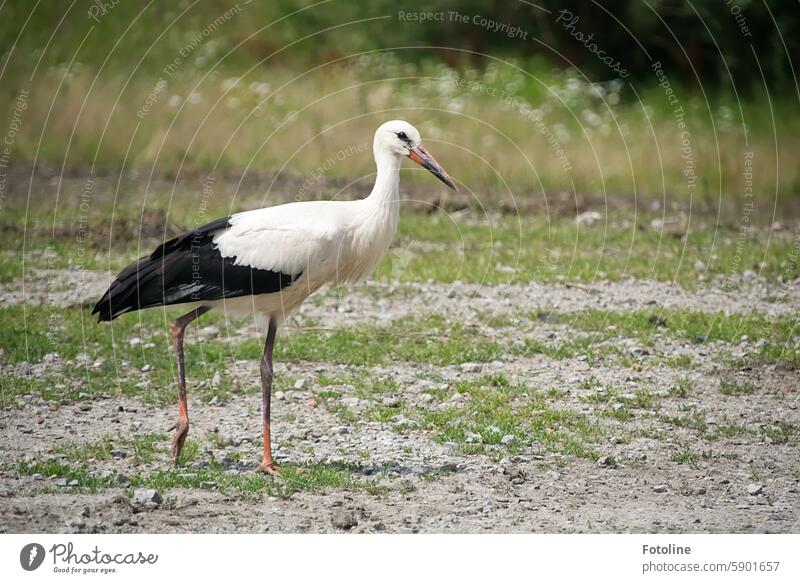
(270, 469)
(181, 431)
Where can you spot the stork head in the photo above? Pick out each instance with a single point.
(400, 138)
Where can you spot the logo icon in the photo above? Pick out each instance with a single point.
(31, 556)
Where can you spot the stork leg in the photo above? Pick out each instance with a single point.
(181, 427)
(267, 465)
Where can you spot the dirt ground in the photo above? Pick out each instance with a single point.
(747, 483)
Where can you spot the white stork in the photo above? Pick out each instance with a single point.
(269, 261)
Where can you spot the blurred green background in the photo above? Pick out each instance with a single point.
(529, 104)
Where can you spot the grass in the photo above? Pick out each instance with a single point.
(681, 389)
(111, 366)
(688, 456)
(219, 114)
(493, 409)
(486, 249)
(313, 477)
(142, 448)
(81, 473)
(733, 388)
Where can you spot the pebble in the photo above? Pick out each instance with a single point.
(755, 489)
(343, 519)
(24, 369)
(508, 439)
(661, 488)
(471, 367)
(216, 380)
(60, 482)
(145, 495)
(299, 384)
(471, 437)
(135, 341)
(607, 461)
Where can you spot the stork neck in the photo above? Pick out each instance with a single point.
(387, 182)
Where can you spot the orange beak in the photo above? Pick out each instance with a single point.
(424, 158)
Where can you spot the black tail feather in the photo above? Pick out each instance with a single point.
(186, 269)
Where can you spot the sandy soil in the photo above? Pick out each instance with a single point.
(746, 483)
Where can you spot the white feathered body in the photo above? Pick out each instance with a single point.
(326, 242)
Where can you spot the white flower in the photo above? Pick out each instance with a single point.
(259, 88)
(561, 132)
(455, 105)
(230, 83)
(591, 117)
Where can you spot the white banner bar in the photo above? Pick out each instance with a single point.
(401, 558)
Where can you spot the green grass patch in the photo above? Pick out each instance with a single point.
(491, 412)
(313, 477)
(51, 468)
(733, 388)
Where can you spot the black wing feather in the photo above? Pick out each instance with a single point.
(186, 269)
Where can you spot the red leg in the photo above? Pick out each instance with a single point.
(182, 424)
(267, 465)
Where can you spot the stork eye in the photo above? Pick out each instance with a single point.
(402, 136)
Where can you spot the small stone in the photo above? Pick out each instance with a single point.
(471, 367)
(312, 403)
(607, 461)
(343, 519)
(755, 489)
(60, 482)
(145, 495)
(471, 437)
(24, 369)
(280, 395)
(38, 477)
(146, 368)
(661, 488)
(508, 439)
(135, 341)
(73, 483)
(214, 400)
(216, 380)
(299, 384)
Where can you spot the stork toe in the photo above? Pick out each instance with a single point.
(181, 431)
(270, 469)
